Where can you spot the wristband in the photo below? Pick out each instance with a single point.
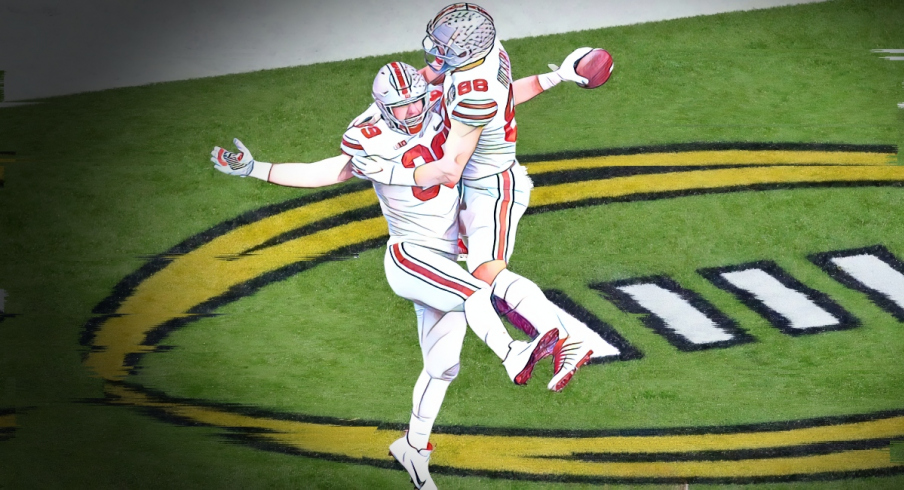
(261, 170)
(549, 80)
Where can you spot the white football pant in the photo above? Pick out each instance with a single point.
(491, 209)
(446, 299)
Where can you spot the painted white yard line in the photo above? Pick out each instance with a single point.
(677, 314)
(875, 274)
(799, 310)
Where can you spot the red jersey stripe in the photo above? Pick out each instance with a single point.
(486, 117)
(468, 105)
(351, 145)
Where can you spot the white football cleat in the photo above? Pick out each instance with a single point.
(568, 356)
(415, 461)
(523, 356)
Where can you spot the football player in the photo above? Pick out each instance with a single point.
(420, 257)
(479, 98)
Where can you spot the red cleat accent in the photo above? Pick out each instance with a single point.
(543, 349)
(557, 362)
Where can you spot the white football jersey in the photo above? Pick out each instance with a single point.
(424, 216)
(483, 96)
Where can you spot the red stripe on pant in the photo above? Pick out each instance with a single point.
(504, 212)
(428, 274)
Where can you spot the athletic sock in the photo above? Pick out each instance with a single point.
(428, 398)
(485, 322)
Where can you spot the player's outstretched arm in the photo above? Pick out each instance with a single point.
(325, 172)
(527, 88)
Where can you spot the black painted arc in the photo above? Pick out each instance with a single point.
(602, 173)
(511, 475)
(324, 224)
(845, 319)
(254, 439)
(702, 146)
(730, 455)
(237, 409)
(654, 196)
(256, 412)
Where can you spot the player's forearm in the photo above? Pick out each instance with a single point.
(318, 174)
(431, 76)
(459, 147)
(446, 170)
(525, 89)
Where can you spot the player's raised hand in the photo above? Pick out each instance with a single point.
(231, 163)
(566, 72)
(367, 118)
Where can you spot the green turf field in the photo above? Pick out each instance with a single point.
(109, 192)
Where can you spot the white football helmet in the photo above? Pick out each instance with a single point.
(459, 34)
(399, 84)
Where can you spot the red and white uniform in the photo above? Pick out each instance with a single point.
(496, 188)
(423, 223)
(427, 217)
(483, 96)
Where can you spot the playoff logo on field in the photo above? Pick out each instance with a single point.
(192, 281)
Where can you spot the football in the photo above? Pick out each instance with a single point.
(596, 66)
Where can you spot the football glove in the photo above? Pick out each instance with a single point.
(230, 163)
(383, 171)
(367, 118)
(566, 72)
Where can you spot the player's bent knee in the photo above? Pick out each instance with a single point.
(451, 373)
(447, 373)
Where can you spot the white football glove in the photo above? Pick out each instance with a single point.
(383, 171)
(566, 72)
(367, 118)
(240, 163)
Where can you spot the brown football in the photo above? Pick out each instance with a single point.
(596, 66)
